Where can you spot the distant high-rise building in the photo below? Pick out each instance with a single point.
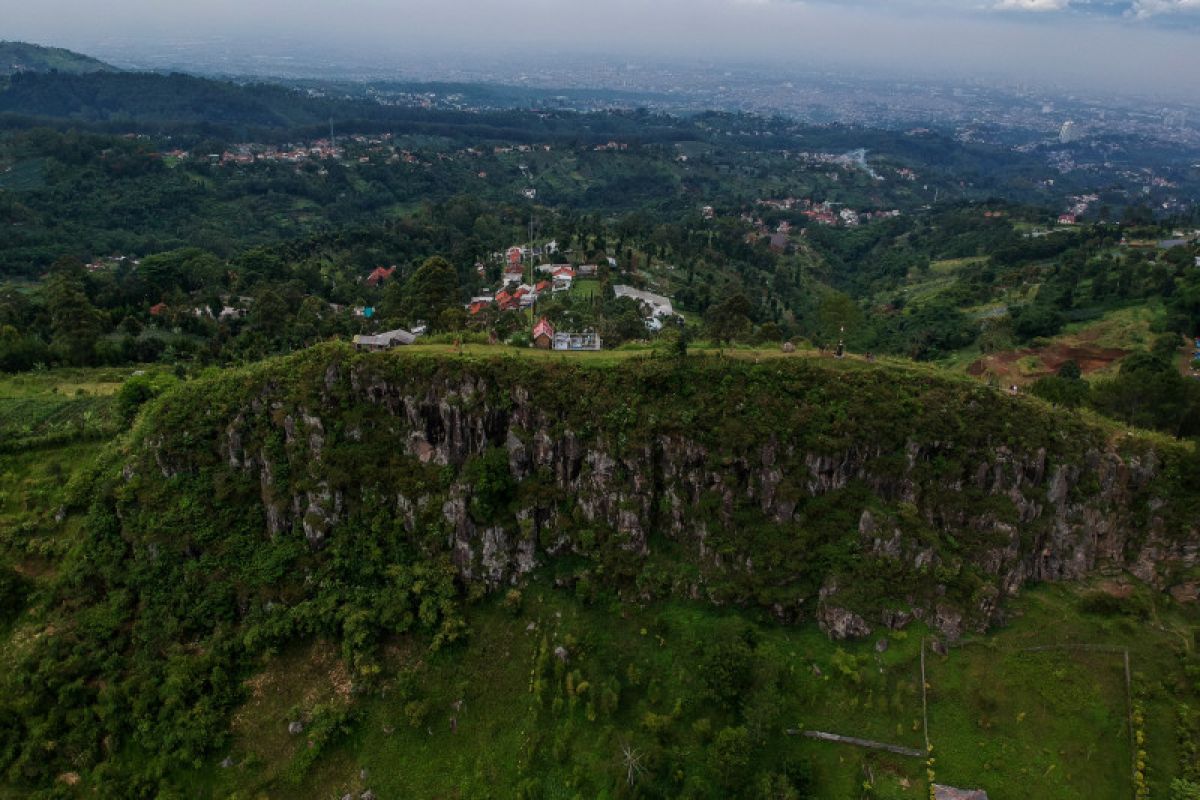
(1068, 133)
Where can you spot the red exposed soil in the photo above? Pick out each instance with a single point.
(1089, 358)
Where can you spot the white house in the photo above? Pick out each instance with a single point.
(652, 305)
(384, 341)
(588, 340)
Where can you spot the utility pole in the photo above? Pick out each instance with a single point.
(533, 305)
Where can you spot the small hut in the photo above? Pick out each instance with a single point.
(543, 334)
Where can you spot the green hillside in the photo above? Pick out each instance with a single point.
(241, 559)
(491, 576)
(25, 57)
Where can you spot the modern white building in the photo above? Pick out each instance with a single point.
(588, 340)
(653, 305)
(384, 341)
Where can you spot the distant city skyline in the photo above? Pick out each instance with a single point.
(1131, 46)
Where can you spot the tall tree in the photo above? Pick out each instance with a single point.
(729, 319)
(75, 323)
(432, 289)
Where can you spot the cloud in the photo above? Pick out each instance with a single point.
(1117, 9)
(1032, 5)
(1144, 9)
(1111, 45)
(1167, 12)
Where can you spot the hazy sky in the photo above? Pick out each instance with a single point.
(1126, 44)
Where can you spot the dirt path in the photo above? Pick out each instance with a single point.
(867, 743)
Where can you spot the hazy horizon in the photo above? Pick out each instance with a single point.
(1148, 47)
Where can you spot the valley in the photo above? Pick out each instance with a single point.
(374, 439)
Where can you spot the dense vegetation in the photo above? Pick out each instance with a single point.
(483, 570)
(130, 657)
(22, 57)
(991, 287)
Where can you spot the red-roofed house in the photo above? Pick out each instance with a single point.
(543, 334)
(506, 301)
(157, 309)
(563, 276)
(477, 307)
(379, 275)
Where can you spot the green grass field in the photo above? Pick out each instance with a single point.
(504, 735)
(58, 406)
(34, 486)
(585, 288)
(52, 425)
(1019, 724)
(949, 266)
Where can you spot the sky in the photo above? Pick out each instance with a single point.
(1127, 45)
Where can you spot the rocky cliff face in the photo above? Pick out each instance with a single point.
(790, 486)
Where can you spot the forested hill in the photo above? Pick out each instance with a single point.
(176, 103)
(22, 57)
(179, 104)
(361, 497)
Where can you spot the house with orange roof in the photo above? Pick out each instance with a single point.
(379, 275)
(506, 301)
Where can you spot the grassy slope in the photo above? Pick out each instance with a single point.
(1095, 343)
(1000, 718)
(52, 425)
(58, 406)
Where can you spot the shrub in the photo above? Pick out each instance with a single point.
(13, 591)
(1070, 370)
(1108, 605)
(731, 757)
(726, 667)
(1062, 391)
(1183, 789)
(1037, 320)
(493, 484)
(139, 390)
(416, 712)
